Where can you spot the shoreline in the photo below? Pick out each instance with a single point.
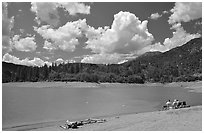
(183, 119)
(54, 125)
(191, 85)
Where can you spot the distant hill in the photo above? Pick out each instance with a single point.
(187, 59)
(183, 63)
(188, 54)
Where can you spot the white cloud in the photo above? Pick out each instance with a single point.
(108, 58)
(46, 57)
(70, 61)
(9, 58)
(92, 33)
(154, 47)
(182, 12)
(7, 25)
(24, 44)
(22, 31)
(6, 44)
(185, 12)
(35, 62)
(60, 61)
(155, 16)
(180, 37)
(165, 12)
(102, 58)
(46, 12)
(49, 46)
(126, 34)
(75, 7)
(159, 47)
(64, 37)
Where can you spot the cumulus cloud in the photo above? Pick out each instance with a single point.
(165, 12)
(24, 44)
(155, 16)
(126, 35)
(180, 37)
(75, 7)
(181, 12)
(60, 61)
(154, 47)
(49, 46)
(70, 61)
(108, 58)
(64, 37)
(102, 58)
(185, 12)
(7, 25)
(35, 62)
(48, 11)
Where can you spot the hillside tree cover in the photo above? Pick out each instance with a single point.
(183, 63)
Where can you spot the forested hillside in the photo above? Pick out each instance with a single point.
(182, 63)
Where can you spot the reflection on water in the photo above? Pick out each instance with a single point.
(23, 105)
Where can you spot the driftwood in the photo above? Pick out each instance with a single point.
(77, 124)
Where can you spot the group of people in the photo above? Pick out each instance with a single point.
(175, 104)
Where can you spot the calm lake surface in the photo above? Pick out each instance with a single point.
(43, 102)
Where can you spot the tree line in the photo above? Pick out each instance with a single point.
(136, 72)
(179, 64)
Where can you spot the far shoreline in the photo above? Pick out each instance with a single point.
(195, 86)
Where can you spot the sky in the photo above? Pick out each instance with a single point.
(35, 33)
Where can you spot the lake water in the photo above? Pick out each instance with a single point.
(27, 105)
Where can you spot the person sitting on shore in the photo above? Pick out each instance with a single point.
(168, 104)
(174, 104)
(184, 104)
(179, 104)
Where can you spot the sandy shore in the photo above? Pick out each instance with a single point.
(185, 119)
(188, 119)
